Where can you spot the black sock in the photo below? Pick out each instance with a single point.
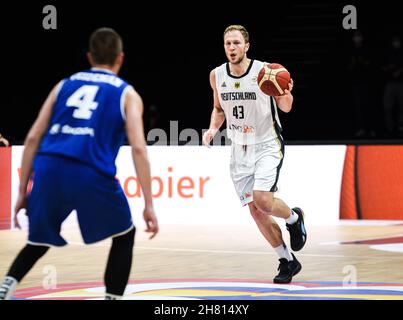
(25, 260)
(119, 263)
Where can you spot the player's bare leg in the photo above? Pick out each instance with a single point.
(266, 202)
(294, 218)
(289, 265)
(267, 226)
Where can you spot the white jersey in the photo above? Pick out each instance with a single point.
(251, 115)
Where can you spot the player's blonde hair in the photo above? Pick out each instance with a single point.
(240, 28)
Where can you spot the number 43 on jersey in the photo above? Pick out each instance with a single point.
(237, 112)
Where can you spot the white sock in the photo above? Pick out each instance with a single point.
(292, 218)
(283, 252)
(7, 288)
(109, 296)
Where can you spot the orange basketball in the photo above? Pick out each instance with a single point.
(273, 79)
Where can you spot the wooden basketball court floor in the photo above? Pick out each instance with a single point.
(225, 254)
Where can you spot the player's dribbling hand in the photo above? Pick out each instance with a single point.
(21, 204)
(151, 221)
(208, 136)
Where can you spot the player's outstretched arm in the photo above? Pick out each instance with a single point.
(217, 116)
(31, 145)
(285, 101)
(135, 133)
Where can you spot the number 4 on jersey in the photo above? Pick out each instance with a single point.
(83, 99)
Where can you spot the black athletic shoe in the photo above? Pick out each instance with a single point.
(287, 269)
(297, 231)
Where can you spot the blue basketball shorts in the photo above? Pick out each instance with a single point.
(62, 185)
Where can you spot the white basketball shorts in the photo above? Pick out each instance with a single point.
(256, 167)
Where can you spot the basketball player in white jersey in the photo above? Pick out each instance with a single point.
(257, 149)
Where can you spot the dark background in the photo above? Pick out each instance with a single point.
(172, 47)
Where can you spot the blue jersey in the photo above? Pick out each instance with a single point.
(88, 121)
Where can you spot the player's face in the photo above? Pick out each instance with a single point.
(235, 46)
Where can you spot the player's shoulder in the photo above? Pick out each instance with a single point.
(259, 63)
(222, 66)
(218, 69)
(214, 74)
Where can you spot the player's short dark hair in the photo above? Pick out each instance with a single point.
(105, 45)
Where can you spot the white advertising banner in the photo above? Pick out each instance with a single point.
(192, 184)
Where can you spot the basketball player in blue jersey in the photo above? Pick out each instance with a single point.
(71, 149)
(257, 149)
